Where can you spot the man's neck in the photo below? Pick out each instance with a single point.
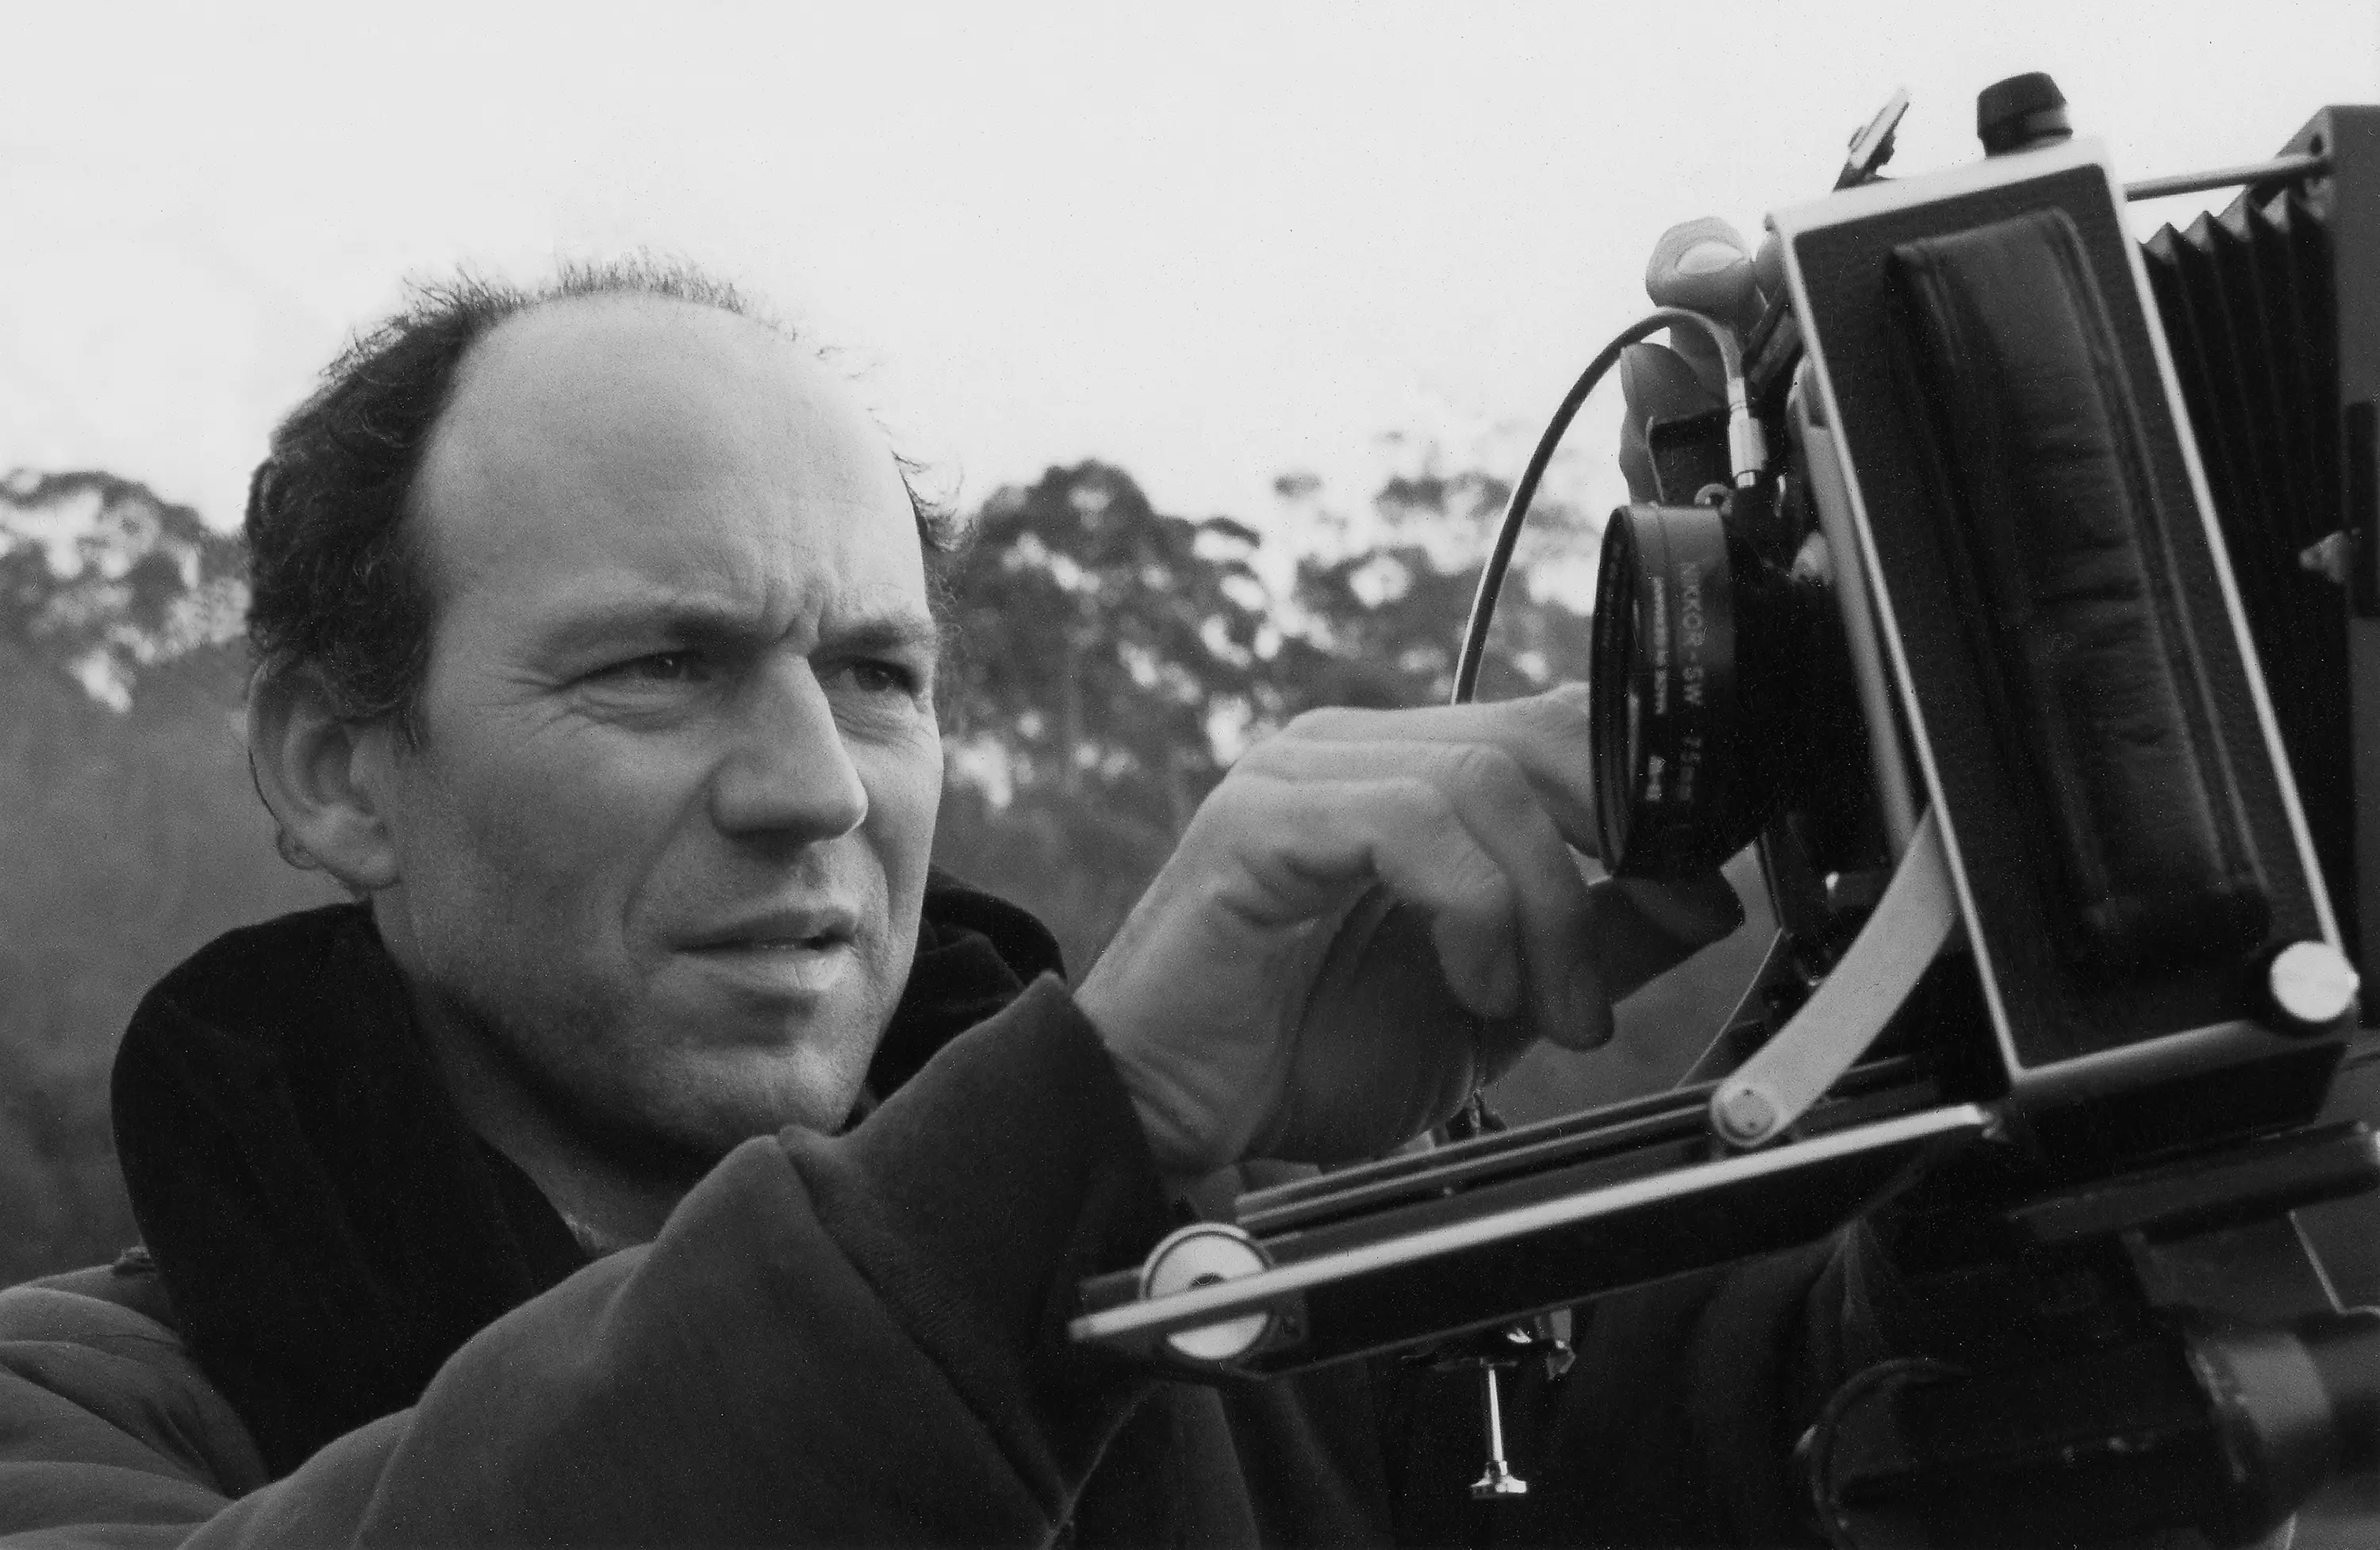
(607, 1204)
(606, 1208)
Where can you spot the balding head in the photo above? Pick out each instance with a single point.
(336, 588)
(653, 864)
(586, 418)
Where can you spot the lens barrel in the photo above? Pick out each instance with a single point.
(1703, 667)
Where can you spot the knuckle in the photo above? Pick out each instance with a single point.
(1558, 726)
(1567, 711)
(1484, 778)
(1464, 765)
(1495, 786)
(1470, 885)
(1500, 898)
(1261, 758)
(1240, 792)
(1424, 800)
(1329, 720)
(1496, 774)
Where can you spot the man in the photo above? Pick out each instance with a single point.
(657, 1152)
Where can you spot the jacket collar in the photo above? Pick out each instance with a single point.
(328, 1227)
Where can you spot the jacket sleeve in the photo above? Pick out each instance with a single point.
(833, 1340)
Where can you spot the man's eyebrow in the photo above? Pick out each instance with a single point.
(597, 621)
(695, 621)
(902, 631)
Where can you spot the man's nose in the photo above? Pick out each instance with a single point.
(787, 771)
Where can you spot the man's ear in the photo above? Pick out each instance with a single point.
(311, 768)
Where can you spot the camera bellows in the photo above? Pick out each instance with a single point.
(2252, 319)
(2054, 541)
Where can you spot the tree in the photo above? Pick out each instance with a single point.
(1380, 602)
(101, 579)
(128, 833)
(1107, 658)
(1112, 660)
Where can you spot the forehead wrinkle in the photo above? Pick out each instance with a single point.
(635, 462)
(617, 605)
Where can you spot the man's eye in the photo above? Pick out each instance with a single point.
(881, 678)
(659, 667)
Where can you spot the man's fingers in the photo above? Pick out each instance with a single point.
(1317, 837)
(1480, 960)
(1545, 735)
(1515, 778)
(1705, 266)
(1488, 794)
(1637, 930)
(1694, 911)
(1641, 929)
(1768, 269)
(1655, 383)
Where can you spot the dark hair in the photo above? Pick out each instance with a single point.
(338, 587)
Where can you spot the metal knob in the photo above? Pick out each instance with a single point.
(1202, 1254)
(2311, 984)
(2021, 112)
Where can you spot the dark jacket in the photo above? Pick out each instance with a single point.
(363, 1326)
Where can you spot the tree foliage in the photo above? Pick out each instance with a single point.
(1101, 641)
(129, 834)
(1384, 612)
(103, 580)
(1105, 656)
(1113, 660)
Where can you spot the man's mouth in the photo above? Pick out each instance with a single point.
(778, 931)
(817, 943)
(781, 956)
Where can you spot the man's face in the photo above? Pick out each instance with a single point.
(663, 848)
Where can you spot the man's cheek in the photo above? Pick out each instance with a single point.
(560, 821)
(905, 795)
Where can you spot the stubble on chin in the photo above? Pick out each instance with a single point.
(667, 1106)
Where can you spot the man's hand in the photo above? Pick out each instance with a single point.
(1376, 912)
(1704, 266)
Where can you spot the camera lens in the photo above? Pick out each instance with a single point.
(1714, 690)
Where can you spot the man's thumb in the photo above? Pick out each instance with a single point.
(1706, 266)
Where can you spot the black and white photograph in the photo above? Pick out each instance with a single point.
(1091, 775)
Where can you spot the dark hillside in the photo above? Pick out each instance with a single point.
(128, 833)
(126, 841)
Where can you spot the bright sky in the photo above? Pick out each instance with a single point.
(1209, 242)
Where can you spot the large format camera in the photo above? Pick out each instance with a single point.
(2022, 607)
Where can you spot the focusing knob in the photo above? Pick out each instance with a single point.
(1201, 1254)
(2311, 985)
(2020, 112)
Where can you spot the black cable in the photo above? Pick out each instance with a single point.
(1517, 509)
(1474, 1117)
